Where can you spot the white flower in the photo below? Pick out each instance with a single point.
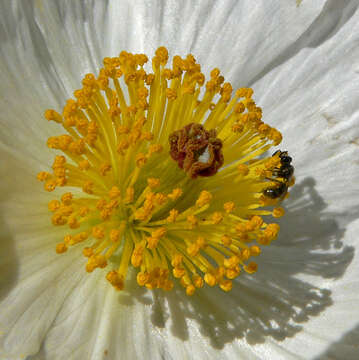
(302, 63)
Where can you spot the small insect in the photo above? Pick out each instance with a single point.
(283, 175)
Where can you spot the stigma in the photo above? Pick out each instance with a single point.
(159, 170)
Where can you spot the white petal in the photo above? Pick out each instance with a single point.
(49, 45)
(103, 321)
(313, 99)
(241, 36)
(65, 40)
(35, 280)
(46, 49)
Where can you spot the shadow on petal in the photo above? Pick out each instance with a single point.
(345, 348)
(8, 260)
(334, 15)
(276, 301)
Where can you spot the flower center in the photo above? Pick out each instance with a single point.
(164, 179)
(196, 150)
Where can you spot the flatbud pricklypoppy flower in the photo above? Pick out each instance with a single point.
(178, 180)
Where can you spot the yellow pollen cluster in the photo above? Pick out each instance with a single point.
(133, 205)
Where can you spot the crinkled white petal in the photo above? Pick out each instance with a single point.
(48, 46)
(235, 34)
(313, 99)
(301, 63)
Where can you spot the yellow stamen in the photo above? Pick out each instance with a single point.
(201, 218)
